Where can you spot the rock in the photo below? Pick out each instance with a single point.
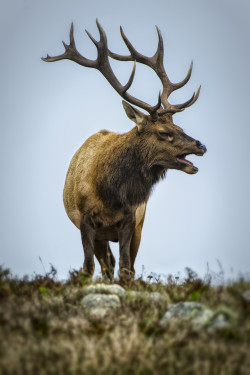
(246, 301)
(97, 306)
(199, 316)
(156, 296)
(218, 323)
(97, 314)
(202, 319)
(114, 289)
(147, 296)
(246, 296)
(223, 318)
(100, 300)
(184, 310)
(195, 312)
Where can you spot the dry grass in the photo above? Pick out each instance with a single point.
(43, 330)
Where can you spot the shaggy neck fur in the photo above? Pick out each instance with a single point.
(129, 175)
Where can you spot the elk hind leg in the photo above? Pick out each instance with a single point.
(88, 240)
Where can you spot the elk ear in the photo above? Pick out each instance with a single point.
(135, 115)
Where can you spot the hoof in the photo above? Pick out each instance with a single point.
(88, 270)
(108, 275)
(126, 275)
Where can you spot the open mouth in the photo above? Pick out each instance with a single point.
(186, 164)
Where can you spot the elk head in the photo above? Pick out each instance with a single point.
(167, 144)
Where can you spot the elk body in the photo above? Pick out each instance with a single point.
(110, 177)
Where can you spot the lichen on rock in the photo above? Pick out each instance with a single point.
(105, 289)
(97, 306)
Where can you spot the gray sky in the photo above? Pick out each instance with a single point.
(48, 110)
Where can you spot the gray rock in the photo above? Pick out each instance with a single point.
(199, 316)
(97, 306)
(218, 323)
(156, 296)
(105, 289)
(148, 296)
(195, 312)
(97, 314)
(202, 319)
(184, 310)
(223, 318)
(100, 300)
(246, 296)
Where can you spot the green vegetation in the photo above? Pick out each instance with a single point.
(44, 329)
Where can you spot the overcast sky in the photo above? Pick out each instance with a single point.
(48, 110)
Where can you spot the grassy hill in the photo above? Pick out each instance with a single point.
(44, 328)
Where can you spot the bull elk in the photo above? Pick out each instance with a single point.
(110, 177)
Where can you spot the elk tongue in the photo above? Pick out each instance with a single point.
(187, 162)
(187, 166)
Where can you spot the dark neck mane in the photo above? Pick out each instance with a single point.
(129, 179)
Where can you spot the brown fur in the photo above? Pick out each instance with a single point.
(111, 176)
(109, 182)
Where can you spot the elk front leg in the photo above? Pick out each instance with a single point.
(125, 234)
(88, 240)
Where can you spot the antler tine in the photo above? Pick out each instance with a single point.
(189, 102)
(186, 79)
(71, 53)
(102, 64)
(71, 36)
(131, 78)
(91, 37)
(154, 113)
(160, 50)
(102, 33)
(168, 86)
(134, 54)
(195, 97)
(156, 63)
(115, 56)
(106, 70)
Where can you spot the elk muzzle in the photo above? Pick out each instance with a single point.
(201, 147)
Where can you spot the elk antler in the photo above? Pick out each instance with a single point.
(156, 63)
(102, 64)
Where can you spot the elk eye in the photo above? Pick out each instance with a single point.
(167, 135)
